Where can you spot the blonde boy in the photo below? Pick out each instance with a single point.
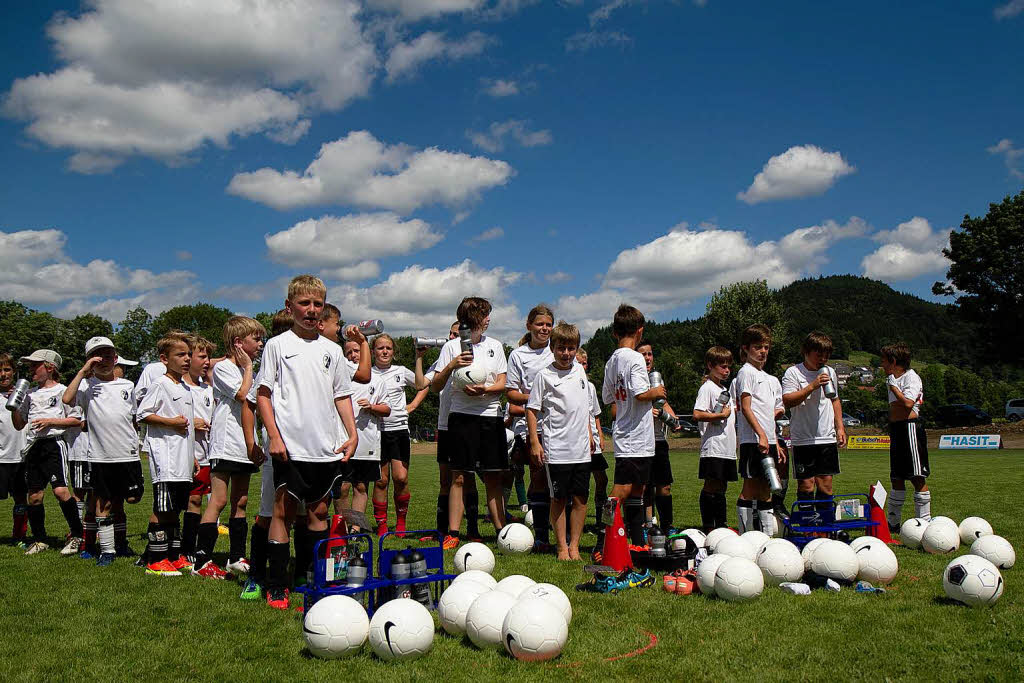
(716, 420)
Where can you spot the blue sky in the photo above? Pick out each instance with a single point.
(417, 151)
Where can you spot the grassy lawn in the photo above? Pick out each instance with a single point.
(66, 618)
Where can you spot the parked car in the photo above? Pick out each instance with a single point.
(687, 428)
(850, 421)
(961, 415)
(1015, 409)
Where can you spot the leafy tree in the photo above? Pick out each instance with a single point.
(735, 307)
(134, 336)
(203, 319)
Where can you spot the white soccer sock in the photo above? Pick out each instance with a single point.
(767, 517)
(894, 508)
(80, 504)
(923, 504)
(745, 514)
(105, 534)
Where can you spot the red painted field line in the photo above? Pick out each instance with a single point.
(652, 643)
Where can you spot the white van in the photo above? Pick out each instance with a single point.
(1015, 409)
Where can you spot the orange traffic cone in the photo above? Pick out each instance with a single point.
(880, 530)
(616, 544)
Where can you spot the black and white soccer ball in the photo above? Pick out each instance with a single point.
(973, 581)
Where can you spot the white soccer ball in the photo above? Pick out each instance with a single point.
(455, 603)
(515, 538)
(912, 531)
(860, 541)
(973, 581)
(756, 539)
(474, 556)
(534, 630)
(515, 584)
(336, 626)
(941, 538)
(706, 573)
(486, 616)
(973, 528)
(736, 546)
(877, 563)
(401, 629)
(942, 519)
(835, 560)
(738, 580)
(996, 550)
(552, 594)
(716, 535)
(780, 562)
(477, 576)
(528, 519)
(698, 537)
(808, 551)
(469, 376)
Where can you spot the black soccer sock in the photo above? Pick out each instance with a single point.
(238, 529)
(600, 500)
(277, 571)
(189, 532)
(173, 541)
(441, 518)
(258, 554)
(471, 503)
(37, 522)
(708, 510)
(635, 518)
(540, 505)
(120, 532)
(648, 502)
(779, 499)
(721, 510)
(158, 544)
(206, 540)
(70, 510)
(303, 553)
(664, 507)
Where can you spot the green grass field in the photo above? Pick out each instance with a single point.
(66, 618)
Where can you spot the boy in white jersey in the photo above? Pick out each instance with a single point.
(46, 456)
(627, 384)
(12, 460)
(202, 410)
(658, 495)
(558, 420)
(598, 463)
(908, 451)
(758, 403)
(80, 471)
(230, 466)
(715, 414)
(816, 424)
(371, 405)
(303, 390)
(108, 406)
(170, 442)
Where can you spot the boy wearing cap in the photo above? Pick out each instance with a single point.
(108, 405)
(12, 460)
(46, 455)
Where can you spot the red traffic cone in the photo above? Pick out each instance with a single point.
(616, 544)
(880, 530)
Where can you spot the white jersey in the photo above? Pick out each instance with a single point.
(595, 412)
(444, 399)
(368, 425)
(489, 354)
(523, 365)
(227, 442)
(109, 411)
(45, 403)
(561, 399)
(911, 386)
(625, 377)
(171, 453)
(150, 374)
(77, 439)
(202, 409)
(814, 420)
(12, 441)
(394, 380)
(305, 377)
(763, 400)
(717, 439)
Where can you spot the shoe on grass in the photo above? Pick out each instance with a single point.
(183, 564)
(72, 547)
(251, 591)
(162, 568)
(87, 554)
(222, 529)
(36, 548)
(239, 566)
(105, 559)
(450, 543)
(210, 570)
(278, 598)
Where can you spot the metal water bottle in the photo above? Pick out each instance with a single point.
(465, 337)
(18, 394)
(723, 400)
(418, 570)
(829, 389)
(657, 381)
(368, 327)
(657, 540)
(399, 567)
(771, 474)
(356, 572)
(429, 342)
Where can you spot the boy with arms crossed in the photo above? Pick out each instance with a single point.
(12, 461)
(716, 421)
(202, 409)
(908, 453)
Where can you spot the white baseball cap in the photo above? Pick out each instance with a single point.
(45, 356)
(98, 343)
(126, 362)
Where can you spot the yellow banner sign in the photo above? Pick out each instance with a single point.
(868, 442)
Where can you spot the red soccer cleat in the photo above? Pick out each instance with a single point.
(278, 598)
(210, 571)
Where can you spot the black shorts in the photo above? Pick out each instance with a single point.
(750, 460)
(171, 496)
(908, 450)
(442, 446)
(118, 480)
(661, 468)
(361, 471)
(395, 446)
(81, 475)
(633, 470)
(232, 467)
(46, 464)
(477, 443)
(815, 460)
(307, 482)
(568, 480)
(12, 480)
(719, 469)
(598, 463)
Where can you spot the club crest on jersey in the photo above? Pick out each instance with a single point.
(124, 394)
(53, 401)
(490, 352)
(207, 399)
(327, 362)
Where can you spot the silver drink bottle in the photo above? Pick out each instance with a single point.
(429, 342)
(18, 394)
(368, 327)
(829, 389)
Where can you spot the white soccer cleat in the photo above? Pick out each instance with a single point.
(36, 548)
(73, 546)
(239, 566)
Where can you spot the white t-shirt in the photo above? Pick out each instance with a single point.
(444, 399)
(595, 412)
(12, 441)
(45, 403)
(717, 439)
(202, 408)
(394, 380)
(305, 376)
(911, 386)
(489, 354)
(150, 373)
(562, 401)
(813, 421)
(763, 400)
(368, 425)
(171, 453)
(625, 377)
(109, 410)
(227, 442)
(523, 365)
(77, 440)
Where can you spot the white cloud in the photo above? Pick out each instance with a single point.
(494, 139)
(605, 11)
(359, 170)
(414, 10)
(911, 250)
(487, 235)
(158, 79)
(1012, 156)
(348, 247)
(405, 58)
(114, 309)
(589, 40)
(556, 277)
(500, 87)
(800, 171)
(1009, 10)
